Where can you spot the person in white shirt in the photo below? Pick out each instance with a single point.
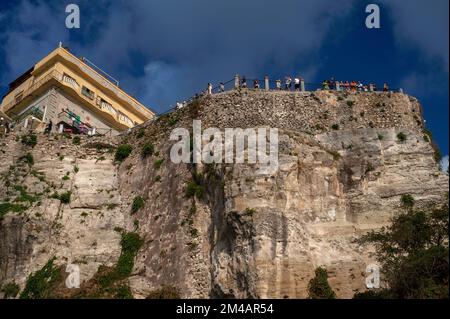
(278, 84)
(297, 83)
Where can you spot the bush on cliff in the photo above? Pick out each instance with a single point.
(10, 290)
(318, 287)
(29, 140)
(413, 254)
(148, 150)
(165, 292)
(122, 152)
(401, 137)
(40, 284)
(138, 203)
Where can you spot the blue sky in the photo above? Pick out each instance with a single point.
(164, 51)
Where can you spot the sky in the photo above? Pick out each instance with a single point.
(166, 51)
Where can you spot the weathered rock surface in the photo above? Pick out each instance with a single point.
(250, 235)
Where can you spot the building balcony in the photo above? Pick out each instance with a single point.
(98, 106)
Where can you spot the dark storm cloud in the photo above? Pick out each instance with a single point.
(423, 25)
(183, 43)
(167, 50)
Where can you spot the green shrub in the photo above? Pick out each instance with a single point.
(65, 197)
(140, 133)
(10, 290)
(123, 151)
(318, 287)
(407, 201)
(426, 138)
(29, 159)
(111, 206)
(138, 203)
(194, 189)
(165, 292)
(350, 103)
(123, 292)
(24, 196)
(76, 169)
(39, 284)
(401, 137)
(437, 152)
(374, 294)
(76, 140)
(250, 211)
(335, 154)
(413, 254)
(131, 243)
(29, 140)
(193, 232)
(65, 178)
(158, 163)
(148, 150)
(335, 126)
(380, 137)
(5, 208)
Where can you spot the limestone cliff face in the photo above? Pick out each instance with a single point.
(342, 171)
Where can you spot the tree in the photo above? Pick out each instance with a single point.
(414, 255)
(318, 287)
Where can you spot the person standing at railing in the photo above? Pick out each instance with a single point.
(325, 85)
(244, 82)
(346, 86)
(255, 84)
(221, 87)
(209, 90)
(49, 127)
(288, 82)
(278, 84)
(332, 83)
(297, 83)
(7, 127)
(385, 87)
(360, 86)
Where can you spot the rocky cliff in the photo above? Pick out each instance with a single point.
(221, 230)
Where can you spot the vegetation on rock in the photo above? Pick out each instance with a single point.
(318, 287)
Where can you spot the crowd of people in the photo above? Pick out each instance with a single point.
(289, 83)
(352, 86)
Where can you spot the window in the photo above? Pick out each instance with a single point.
(88, 93)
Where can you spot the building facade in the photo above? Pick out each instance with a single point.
(75, 97)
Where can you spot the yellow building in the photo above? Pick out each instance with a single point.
(73, 95)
